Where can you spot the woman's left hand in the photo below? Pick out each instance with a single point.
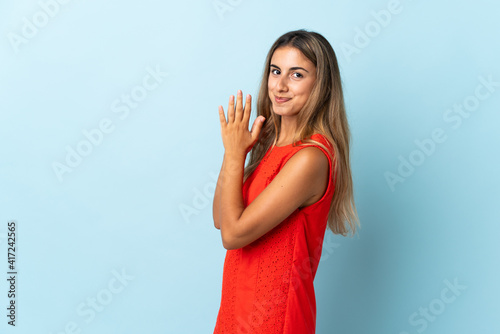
(235, 135)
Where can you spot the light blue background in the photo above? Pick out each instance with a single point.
(120, 208)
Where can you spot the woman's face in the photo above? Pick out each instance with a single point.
(292, 78)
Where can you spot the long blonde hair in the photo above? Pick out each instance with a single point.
(324, 113)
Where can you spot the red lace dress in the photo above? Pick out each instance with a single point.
(267, 286)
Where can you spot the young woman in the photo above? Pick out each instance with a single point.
(273, 213)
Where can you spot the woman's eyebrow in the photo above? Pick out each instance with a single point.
(292, 68)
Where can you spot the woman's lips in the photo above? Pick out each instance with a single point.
(280, 100)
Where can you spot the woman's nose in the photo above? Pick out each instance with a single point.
(282, 83)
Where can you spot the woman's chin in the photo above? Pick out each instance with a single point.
(279, 109)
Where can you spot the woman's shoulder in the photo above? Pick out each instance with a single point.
(310, 150)
(321, 138)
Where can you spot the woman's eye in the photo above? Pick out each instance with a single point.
(273, 71)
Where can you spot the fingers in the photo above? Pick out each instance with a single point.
(248, 109)
(230, 110)
(257, 126)
(239, 107)
(222, 117)
(238, 113)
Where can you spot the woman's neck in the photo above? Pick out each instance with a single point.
(287, 131)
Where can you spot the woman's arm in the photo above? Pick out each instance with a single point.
(231, 197)
(303, 177)
(216, 204)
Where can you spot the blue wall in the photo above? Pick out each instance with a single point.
(110, 143)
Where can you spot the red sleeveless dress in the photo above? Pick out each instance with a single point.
(267, 286)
